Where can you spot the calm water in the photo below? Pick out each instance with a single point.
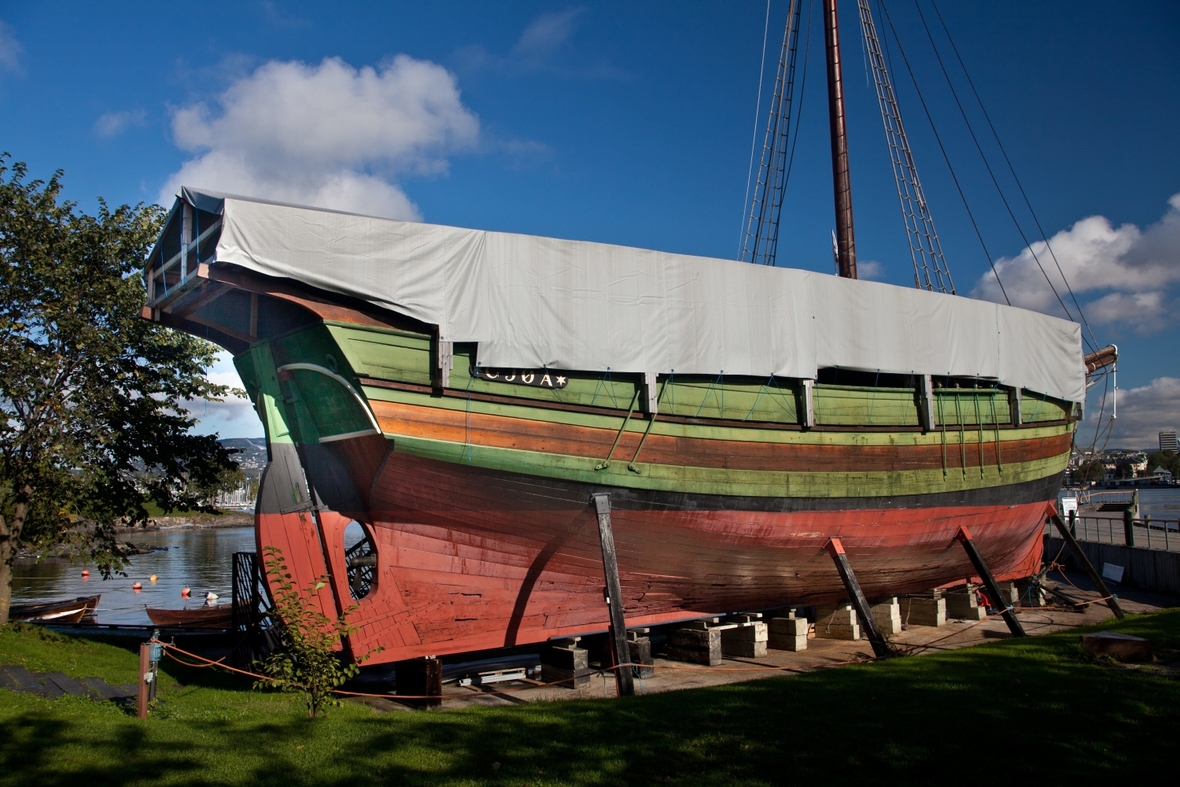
(197, 558)
(1160, 503)
(1156, 503)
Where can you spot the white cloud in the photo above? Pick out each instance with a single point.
(1134, 267)
(1143, 414)
(870, 269)
(233, 417)
(112, 124)
(328, 135)
(546, 34)
(546, 44)
(10, 50)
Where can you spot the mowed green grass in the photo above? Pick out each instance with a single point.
(1033, 711)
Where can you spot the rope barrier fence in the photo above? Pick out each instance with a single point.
(194, 661)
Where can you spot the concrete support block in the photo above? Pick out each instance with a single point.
(929, 610)
(1030, 594)
(1009, 595)
(1123, 647)
(568, 664)
(640, 650)
(787, 633)
(887, 613)
(695, 645)
(963, 604)
(837, 622)
(748, 640)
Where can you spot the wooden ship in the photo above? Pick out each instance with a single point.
(461, 395)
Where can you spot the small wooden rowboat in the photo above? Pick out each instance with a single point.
(72, 610)
(215, 617)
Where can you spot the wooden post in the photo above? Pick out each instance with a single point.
(1129, 527)
(420, 678)
(857, 596)
(1088, 567)
(145, 677)
(624, 679)
(989, 582)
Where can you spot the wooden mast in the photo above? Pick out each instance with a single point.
(841, 181)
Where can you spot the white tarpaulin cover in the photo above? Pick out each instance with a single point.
(534, 302)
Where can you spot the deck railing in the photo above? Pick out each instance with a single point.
(1149, 533)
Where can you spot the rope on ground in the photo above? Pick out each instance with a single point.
(220, 663)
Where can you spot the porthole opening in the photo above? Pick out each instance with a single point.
(360, 555)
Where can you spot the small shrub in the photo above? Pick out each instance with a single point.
(307, 662)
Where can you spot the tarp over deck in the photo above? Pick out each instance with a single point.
(533, 302)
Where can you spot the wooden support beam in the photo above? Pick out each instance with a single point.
(859, 602)
(926, 403)
(989, 583)
(808, 420)
(1088, 567)
(420, 681)
(624, 679)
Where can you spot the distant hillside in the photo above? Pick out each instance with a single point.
(252, 454)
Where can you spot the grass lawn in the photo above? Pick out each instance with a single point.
(1033, 711)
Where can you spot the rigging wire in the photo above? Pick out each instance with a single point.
(922, 237)
(942, 149)
(761, 238)
(799, 103)
(754, 134)
(988, 167)
(1011, 168)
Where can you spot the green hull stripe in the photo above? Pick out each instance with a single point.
(751, 434)
(714, 481)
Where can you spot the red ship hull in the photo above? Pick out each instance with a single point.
(470, 559)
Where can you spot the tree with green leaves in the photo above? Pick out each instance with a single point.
(1163, 460)
(92, 417)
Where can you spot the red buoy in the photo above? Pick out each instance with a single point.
(137, 586)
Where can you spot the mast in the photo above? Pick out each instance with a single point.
(841, 180)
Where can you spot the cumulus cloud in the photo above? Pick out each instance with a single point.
(10, 49)
(1144, 413)
(328, 135)
(112, 124)
(1131, 270)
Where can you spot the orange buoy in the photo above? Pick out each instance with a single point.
(153, 579)
(137, 586)
(185, 593)
(85, 572)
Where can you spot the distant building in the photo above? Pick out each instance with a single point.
(1168, 440)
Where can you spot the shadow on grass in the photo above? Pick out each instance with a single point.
(1031, 709)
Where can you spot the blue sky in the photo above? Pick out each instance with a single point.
(632, 123)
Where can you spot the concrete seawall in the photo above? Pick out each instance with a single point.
(1147, 569)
